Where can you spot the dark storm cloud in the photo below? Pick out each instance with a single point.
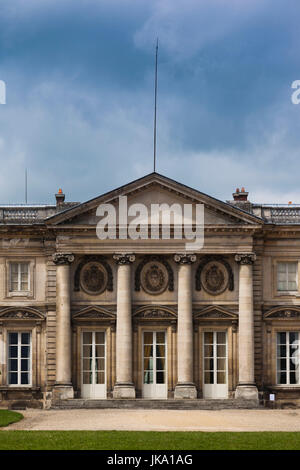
(79, 110)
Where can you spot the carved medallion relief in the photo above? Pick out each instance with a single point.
(214, 278)
(154, 278)
(93, 278)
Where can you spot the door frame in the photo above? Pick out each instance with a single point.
(155, 330)
(91, 329)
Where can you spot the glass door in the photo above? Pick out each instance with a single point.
(93, 368)
(215, 369)
(155, 364)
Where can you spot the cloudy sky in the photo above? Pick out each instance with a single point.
(80, 77)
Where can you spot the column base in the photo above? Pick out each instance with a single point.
(124, 390)
(62, 392)
(246, 392)
(185, 391)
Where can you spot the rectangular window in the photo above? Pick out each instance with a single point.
(19, 277)
(19, 358)
(287, 276)
(288, 358)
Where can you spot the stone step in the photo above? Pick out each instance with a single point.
(146, 404)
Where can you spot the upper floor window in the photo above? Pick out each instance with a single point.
(19, 277)
(287, 276)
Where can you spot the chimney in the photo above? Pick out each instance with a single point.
(240, 195)
(60, 197)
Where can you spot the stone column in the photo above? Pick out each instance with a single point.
(63, 385)
(185, 387)
(246, 388)
(124, 387)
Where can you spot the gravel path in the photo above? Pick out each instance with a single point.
(160, 420)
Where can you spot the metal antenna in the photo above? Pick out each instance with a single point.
(155, 107)
(25, 185)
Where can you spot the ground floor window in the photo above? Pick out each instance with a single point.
(288, 356)
(19, 358)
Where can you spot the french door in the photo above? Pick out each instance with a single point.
(215, 364)
(93, 370)
(155, 364)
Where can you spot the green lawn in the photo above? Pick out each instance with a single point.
(7, 417)
(123, 440)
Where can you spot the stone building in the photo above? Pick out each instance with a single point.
(87, 318)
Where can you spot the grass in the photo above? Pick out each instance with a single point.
(131, 440)
(8, 417)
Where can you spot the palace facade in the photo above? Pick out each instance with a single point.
(128, 318)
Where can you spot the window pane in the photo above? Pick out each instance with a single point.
(13, 351)
(87, 364)
(221, 350)
(100, 337)
(221, 377)
(209, 377)
(160, 337)
(281, 338)
(281, 377)
(148, 351)
(24, 351)
(87, 351)
(99, 351)
(24, 378)
(13, 365)
(208, 350)
(148, 377)
(13, 338)
(221, 337)
(87, 378)
(24, 365)
(87, 338)
(221, 364)
(160, 350)
(160, 364)
(13, 378)
(160, 377)
(208, 337)
(148, 337)
(208, 364)
(99, 364)
(25, 338)
(293, 336)
(281, 351)
(100, 377)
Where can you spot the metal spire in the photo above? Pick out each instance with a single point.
(155, 107)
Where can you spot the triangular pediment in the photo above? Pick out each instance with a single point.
(156, 189)
(215, 312)
(94, 312)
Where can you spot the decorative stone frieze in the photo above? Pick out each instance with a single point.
(124, 258)
(245, 258)
(63, 258)
(183, 258)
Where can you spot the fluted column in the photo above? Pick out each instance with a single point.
(124, 387)
(246, 388)
(64, 388)
(185, 387)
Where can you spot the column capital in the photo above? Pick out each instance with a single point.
(245, 258)
(183, 258)
(63, 258)
(124, 258)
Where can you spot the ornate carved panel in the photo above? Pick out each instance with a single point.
(215, 312)
(93, 274)
(155, 312)
(214, 274)
(20, 313)
(154, 274)
(94, 313)
(283, 313)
